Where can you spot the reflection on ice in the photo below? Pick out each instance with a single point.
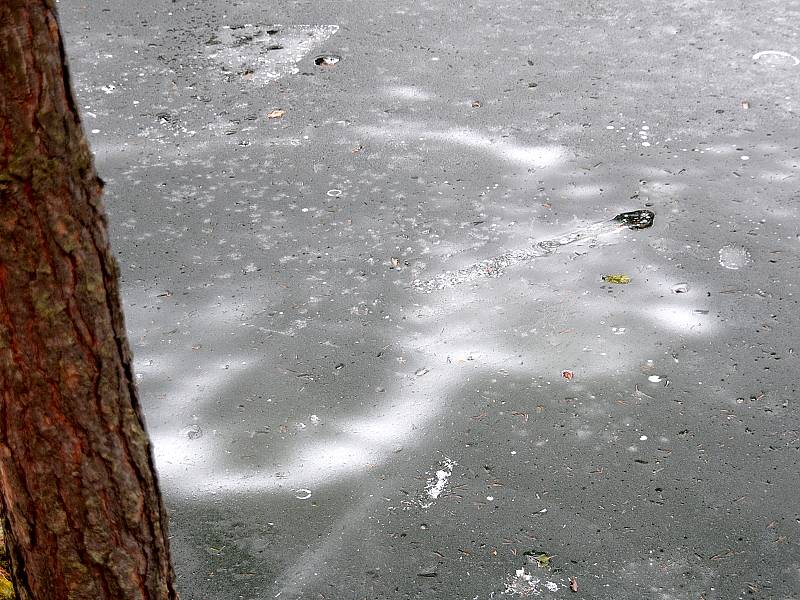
(189, 464)
(681, 319)
(190, 467)
(536, 157)
(407, 92)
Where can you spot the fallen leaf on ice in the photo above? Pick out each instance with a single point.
(540, 558)
(617, 278)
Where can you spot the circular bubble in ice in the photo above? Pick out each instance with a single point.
(734, 256)
(302, 494)
(680, 288)
(776, 58)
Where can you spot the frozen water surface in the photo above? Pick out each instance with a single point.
(301, 394)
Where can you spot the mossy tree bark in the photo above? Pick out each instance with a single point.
(80, 499)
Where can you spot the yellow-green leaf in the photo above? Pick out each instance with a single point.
(618, 278)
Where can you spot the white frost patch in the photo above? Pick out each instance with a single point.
(434, 489)
(526, 585)
(264, 53)
(437, 483)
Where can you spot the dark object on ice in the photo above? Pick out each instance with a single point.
(636, 219)
(327, 60)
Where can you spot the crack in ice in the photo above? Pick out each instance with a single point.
(496, 266)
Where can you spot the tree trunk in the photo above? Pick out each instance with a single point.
(80, 499)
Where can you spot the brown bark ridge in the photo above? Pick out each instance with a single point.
(80, 499)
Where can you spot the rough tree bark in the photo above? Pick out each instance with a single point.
(80, 499)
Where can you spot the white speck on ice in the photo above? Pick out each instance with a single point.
(654, 378)
(642, 438)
